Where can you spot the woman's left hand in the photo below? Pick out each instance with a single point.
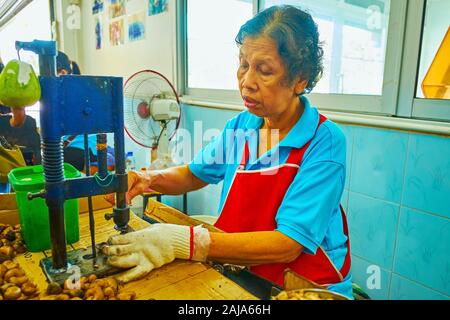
(155, 246)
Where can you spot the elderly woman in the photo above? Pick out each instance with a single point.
(280, 204)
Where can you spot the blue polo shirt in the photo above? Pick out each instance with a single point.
(310, 212)
(78, 142)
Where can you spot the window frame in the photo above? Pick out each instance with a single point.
(384, 104)
(401, 71)
(409, 105)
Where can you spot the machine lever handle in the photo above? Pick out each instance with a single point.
(109, 216)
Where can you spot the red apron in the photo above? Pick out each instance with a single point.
(252, 204)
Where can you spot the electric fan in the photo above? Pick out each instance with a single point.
(152, 114)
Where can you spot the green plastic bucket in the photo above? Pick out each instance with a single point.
(33, 214)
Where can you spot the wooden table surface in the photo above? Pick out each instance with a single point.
(179, 280)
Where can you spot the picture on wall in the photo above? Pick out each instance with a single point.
(156, 7)
(116, 8)
(136, 26)
(116, 34)
(98, 33)
(97, 6)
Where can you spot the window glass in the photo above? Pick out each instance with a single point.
(434, 70)
(354, 36)
(212, 26)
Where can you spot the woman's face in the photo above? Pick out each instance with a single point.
(261, 75)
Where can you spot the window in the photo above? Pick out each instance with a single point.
(213, 54)
(32, 22)
(425, 34)
(434, 70)
(354, 34)
(377, 53)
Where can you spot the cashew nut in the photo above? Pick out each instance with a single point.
(92, 278)
(29, 288)
(9, 264)
(63, 296)
(18, 280)
(109, 292)
(3, 270)
(126, 295)
(111, 282)
(94, 293)
(12, 293)
(7, 251)
(74, 293)
(53, 288)
(13, 273)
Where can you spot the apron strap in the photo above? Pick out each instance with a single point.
(68, 140)
(245, 156)
(347, 261)
(296, 155)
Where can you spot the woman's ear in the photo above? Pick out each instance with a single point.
(300, 86)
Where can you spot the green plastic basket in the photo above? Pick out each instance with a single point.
(33, 214)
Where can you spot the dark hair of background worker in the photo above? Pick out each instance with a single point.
(63, 64)
(75, 68)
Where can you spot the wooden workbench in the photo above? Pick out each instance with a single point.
(179, 280)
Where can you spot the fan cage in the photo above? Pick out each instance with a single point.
(144, 86)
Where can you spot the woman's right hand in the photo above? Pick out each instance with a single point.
(138, 182)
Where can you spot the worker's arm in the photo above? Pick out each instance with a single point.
(174, 181)
(171, 181)
(18, 117)
(246, 248)
(251, 248)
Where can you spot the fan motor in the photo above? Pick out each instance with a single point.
(143, 110)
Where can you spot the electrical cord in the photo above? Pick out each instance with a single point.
(162, 131)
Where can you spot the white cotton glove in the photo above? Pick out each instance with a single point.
(153, 247)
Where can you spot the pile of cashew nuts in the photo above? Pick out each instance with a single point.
(15, 285)
(11, 242)
(89, 288)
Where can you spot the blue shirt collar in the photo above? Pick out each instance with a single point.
(301, 132)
